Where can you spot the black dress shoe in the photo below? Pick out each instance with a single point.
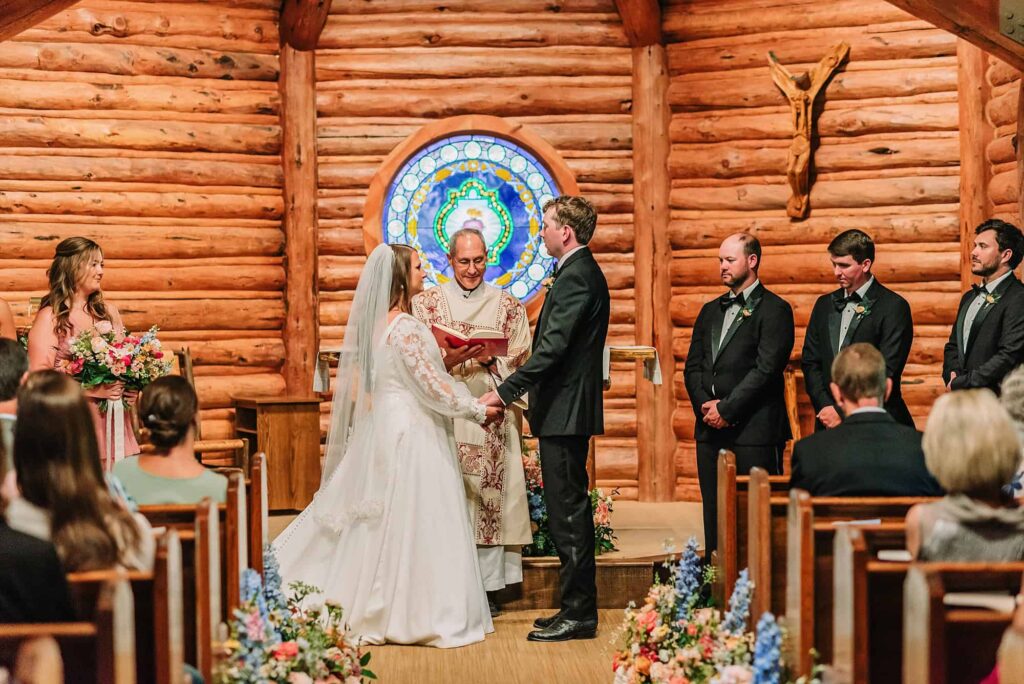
(545, 622)
(492, 606)
(564, 629)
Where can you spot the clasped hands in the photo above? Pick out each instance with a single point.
(495, 406)
(711, 415)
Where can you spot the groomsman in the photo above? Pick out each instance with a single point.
(734, 374)
(987, 340)
(861, 310)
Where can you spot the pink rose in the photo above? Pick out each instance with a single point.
(647, 619)
(286, 650)
(103, 327)
(299, 678)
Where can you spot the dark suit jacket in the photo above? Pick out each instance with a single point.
(32, 583)
(996, 344)
(746, 374)
(888, 326)
(868, 454)
(564, 373)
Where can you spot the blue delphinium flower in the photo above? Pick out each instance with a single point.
(277, 602)
(688, 576)
(739, 604)
(767, 651)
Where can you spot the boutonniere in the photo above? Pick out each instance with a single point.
(991, 298)
(863, 310)
(548, 282)
(746, 311)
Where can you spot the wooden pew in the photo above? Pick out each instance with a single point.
(867, 615)
(199, 531)
(159, 639)
(731, 554)
(259, 521)
(769, 535)
(96, 651)
(945, 643)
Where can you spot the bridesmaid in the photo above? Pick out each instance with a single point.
(73, 304)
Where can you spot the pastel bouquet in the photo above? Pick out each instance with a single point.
(286, 639)
(102, 355)
(678, 637)
(543, 545)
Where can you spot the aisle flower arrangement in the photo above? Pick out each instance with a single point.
(678, 637)
(286, 639)
(543, 545)
(100, 355)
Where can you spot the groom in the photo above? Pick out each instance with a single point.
(564, 381)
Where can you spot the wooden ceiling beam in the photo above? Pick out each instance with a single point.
(641, 20)
(302, 22)
(976, 21)
(18, 15)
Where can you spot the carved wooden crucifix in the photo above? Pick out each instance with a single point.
(801, 91)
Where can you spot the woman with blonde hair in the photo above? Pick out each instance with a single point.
(1012, 398)
(971, 447)
(62, 494)
(75, 303)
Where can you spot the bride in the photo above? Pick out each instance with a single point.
(388, 534)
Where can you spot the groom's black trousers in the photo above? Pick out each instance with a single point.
(563, 462)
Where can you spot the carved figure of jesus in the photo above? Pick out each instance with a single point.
(801, 91)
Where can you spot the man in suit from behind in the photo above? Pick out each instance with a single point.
(987, 339)
(734, 374)
(564, 380)
(861, 310)
(13, 371)
(869, 453)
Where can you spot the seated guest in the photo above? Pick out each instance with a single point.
(32, 583)
(971, 446)
(62, 493)
(13, 368)
(171, 475)
(869, 453)
(1012, 398)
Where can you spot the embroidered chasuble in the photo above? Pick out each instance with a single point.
(491, 456)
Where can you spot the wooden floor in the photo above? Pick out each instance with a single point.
(504, 657)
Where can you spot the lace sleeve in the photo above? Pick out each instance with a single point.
(418, 360)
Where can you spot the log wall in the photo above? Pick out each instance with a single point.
(888, 163)
(1002, 115)
(563, 68)
(153, 128)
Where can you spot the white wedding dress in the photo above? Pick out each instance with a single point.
(388, 536)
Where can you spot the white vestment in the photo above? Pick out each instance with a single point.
(491, 457)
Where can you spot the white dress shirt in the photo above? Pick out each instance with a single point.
(568, 254)
(734, 310)
(979, 301)
(851, 308)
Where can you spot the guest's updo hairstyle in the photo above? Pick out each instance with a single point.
(167, 409)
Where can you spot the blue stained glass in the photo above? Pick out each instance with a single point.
(479, 181)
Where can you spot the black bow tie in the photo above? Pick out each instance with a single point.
(840, 302)
(979, 289)
(728, 300)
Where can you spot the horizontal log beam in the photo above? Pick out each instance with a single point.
(976, 21)
(18, 15)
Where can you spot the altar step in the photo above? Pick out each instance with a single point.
(619, 581)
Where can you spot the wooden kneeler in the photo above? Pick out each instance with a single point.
(100, 650)
(159, 636)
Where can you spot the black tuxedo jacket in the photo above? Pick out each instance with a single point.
(564, 373)
(996, 344)
(32, 583)
(746, 373)
(868, 454)
(888, 326)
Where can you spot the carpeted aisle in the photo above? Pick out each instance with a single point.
(505, 657)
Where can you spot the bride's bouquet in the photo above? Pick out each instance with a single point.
(100, 356)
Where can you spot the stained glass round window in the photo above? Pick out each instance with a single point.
(474, 181)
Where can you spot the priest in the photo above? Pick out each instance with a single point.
(491, 456)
